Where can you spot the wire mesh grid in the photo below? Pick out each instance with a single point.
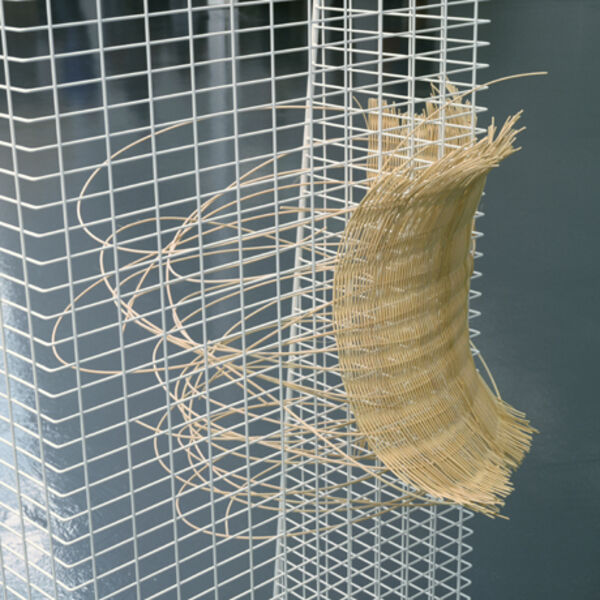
(175, 176)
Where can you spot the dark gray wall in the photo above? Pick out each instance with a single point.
(540, 325)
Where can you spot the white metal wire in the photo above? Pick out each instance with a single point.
(93, 500)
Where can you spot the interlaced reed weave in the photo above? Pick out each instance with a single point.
(400, 312)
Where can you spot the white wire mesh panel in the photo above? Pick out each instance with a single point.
(175, 176)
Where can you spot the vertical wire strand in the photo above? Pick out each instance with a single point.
(15, 456)
(119, 303)
(462, 512)
(2, 570)
(198, 190)
(279, 581)
(412, 86)
(205, 349)
(65, 216)
(29, 312)
(348, 201)
(377, 492)
(313, 37)
(163, 318)
(316, 470)
(236, 150)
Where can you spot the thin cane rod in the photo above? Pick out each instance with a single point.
(133, 314)
(454, 97)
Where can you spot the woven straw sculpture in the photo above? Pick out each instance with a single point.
(425, 428)
(400, 314)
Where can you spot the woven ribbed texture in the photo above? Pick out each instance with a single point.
(400, 312)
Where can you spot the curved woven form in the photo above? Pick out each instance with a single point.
(254, 398)
(400, 318)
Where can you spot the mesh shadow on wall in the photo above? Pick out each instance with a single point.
(323, 337)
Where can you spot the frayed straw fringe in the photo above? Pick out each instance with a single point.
(400, 307)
